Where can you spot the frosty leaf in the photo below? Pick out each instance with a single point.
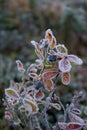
(75, 118)
(49, 74)
(30, 91)
(44, 43)
(49, 35)
(76, 111)
(49, 85)
(33, 75)
(39, 95)
(40, 64)
(39, 53)
(20, 66)
(70, 126)
(33, 70)
(74, 126)
(56, 106)
(36, 45)
(11, 93)
(38, 50)
(64, 65)
(30, 105)
(53, 43)
(32, 66)
(66, 78)
(61, 49)
(75, 59)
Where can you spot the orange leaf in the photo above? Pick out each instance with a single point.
(53, 43)
(49, 85)
(49, 35)
(39, 95)
(66, 78)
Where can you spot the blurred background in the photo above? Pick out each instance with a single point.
(24, 20)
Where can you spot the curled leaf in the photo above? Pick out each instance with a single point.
(53, 43)
(56, 106)
(49, 35)
(20, 66)
(38, 50)
(76, 111)
(36, 45)
(30, 91)
(39, 53)
(33, 75)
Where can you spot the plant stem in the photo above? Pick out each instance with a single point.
(62, 108)
(46, 121)
(48, 99)
(30, 124)
(37, 123)
(34, 123)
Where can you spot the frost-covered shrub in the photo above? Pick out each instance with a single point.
(28, 102)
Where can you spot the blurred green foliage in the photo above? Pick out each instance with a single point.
(22, 22)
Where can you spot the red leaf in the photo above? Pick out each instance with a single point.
(49, 75)
(74, 126)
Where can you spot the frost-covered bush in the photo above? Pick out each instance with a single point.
(29, 102)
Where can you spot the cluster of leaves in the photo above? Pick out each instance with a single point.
(28, 101)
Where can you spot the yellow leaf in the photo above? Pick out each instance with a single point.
(11, 93)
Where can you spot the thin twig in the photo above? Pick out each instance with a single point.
(30, 124)
(62, 106)
(48, 100)
(37, 123)
(34, 123)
